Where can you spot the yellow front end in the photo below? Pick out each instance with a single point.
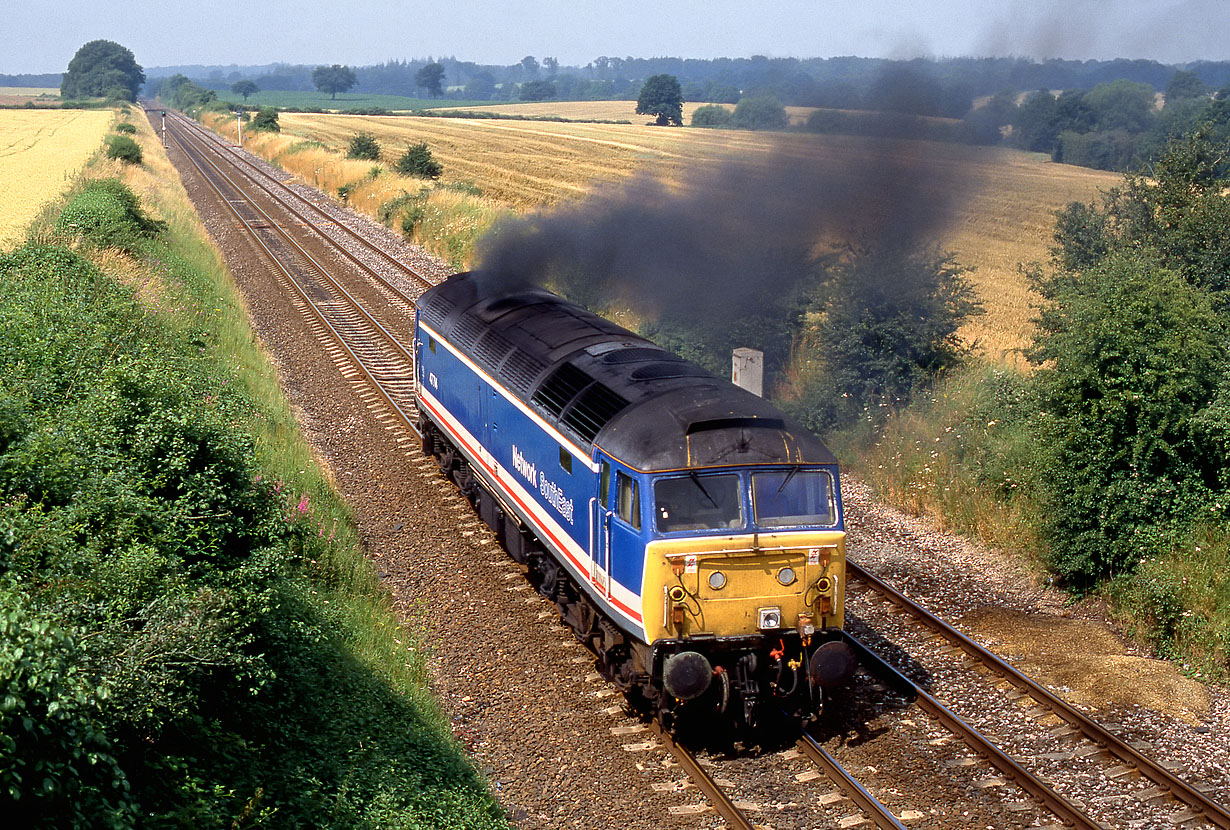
(683, 597)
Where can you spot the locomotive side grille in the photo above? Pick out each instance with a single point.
(593, 409)
(521, 370)
(560, 388)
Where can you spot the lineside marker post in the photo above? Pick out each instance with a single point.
(239, 122)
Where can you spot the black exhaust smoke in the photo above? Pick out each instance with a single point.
(732, 238)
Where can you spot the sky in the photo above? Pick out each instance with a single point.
(43, 37)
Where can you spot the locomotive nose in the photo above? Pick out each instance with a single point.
(832, 664)
(686, 675)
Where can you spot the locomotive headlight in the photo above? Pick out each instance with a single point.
(770, 618)
(717, 580)
(786, 576)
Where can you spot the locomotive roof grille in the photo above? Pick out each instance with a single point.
(594, 408)
(662, 371)
(560, 387)
(735, 423)
(437, 309)
(493, 347)
(468, 329)
(521, 370)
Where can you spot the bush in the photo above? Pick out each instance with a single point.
(364, 146)
(125, 127)
(711, 115)
(888, 324)
(109, 215)
(1131, 357)
(418, 161)
(760, 112)
(123, 148)
(266, 120)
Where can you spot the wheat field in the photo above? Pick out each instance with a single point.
(1003, 220)
(41, 152)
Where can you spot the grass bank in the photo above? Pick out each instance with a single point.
(192, 635)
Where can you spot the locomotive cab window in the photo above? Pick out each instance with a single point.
(628, 500)
(785, 498)
(698, 502)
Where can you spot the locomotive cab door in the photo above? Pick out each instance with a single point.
(600, 566)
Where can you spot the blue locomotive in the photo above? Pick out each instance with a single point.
(690, 533)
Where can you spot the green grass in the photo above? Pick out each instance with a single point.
(154, 478)
(344, 100)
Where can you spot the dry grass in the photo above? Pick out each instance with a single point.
(523, 165)
(41, 154)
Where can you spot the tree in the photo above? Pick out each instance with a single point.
(1185, 85)
(537, 90)
(431, 78)
(102, 68)
(552, 66)
(529, 64)
(245, 88)
(711, 115)
(760, 112)
(333, 79)
(888, 323)
(661, 96)
(481, 86)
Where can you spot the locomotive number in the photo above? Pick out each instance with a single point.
(431, 378)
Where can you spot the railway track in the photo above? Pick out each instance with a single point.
(336, 291)
(1122, 758)
(323, 277)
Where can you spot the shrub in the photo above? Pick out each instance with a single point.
(1132, 357)
(418, 161)
(888, 324)
(125, 127)
(266, 120)
(364, 146)
(123, 148)
(711, 115)
(759, 112)
(109, 215)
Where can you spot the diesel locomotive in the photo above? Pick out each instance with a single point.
(690, 533)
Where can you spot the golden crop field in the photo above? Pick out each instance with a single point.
(1003, 220)
(41, 151)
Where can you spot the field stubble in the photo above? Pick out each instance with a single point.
(523, 166)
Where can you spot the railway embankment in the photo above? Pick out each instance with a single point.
(191, 632)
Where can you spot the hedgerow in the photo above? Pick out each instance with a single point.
(177, 619)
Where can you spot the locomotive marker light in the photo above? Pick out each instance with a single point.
(786, 576)
(770, 618)
(717, 580)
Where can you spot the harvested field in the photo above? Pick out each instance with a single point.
(41, 152)
(13, 96)
(1005, 220)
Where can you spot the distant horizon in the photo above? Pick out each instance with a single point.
(42, 38)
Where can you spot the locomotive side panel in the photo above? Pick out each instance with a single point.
(544, 478)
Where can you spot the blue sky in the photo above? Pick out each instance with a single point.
(42, 37)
